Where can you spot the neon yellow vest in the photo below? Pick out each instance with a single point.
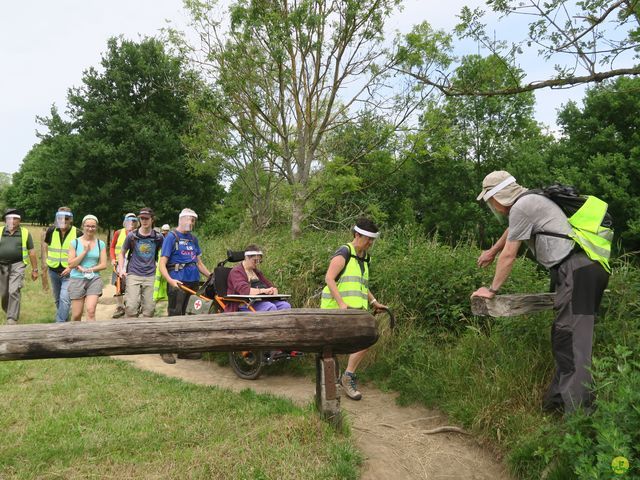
(588, 232)
(24, 235)
(58, 254)
(159, 286)
(353, 285)
(122, 235)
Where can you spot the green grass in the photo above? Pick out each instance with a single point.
(100, 418)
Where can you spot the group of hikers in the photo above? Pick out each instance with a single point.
(154, 264)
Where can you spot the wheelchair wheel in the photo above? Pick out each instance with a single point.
(248, 364)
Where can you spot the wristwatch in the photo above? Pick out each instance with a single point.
(491, 289)
(34, 270)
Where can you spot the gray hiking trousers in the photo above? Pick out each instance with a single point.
(11, 282)
(580, 283)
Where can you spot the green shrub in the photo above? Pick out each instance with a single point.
(592, 441)
(489, 374)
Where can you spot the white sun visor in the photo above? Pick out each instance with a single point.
(505, 183)
(366, 233)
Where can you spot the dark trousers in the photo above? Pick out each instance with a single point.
(178, 299)
(580, 283)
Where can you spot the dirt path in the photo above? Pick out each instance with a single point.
(391, 438)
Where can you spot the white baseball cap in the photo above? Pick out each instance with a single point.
(187, 212)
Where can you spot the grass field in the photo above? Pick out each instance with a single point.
(101, 418)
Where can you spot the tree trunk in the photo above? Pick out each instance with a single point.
(297, 213)
(307, 330)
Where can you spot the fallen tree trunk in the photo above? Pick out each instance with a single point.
(512, 305)
(307, 330)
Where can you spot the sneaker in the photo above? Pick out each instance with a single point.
(119, 313)
(348, 382)
(11, 321)
(168, 358)
(190, 356)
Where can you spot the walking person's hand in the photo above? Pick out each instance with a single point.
(34, 275)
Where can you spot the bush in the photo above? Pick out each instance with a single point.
(488, 374)
(592, 442)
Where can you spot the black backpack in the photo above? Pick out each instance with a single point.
(569, 201)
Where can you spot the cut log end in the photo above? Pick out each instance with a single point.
(512, 305)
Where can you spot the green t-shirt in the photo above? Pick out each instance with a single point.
(11, 246)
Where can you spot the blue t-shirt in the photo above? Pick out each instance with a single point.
(186, 253)
(90, 260)
(143, 256)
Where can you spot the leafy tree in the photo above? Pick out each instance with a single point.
(246, 159)
(5, 183)
(365, 174)
(291, 72)
(121, 148)
(584, 38)
(600, 152)
(464, 138)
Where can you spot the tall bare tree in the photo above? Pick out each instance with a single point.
(290, 71)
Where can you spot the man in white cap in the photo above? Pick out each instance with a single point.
(347, 286)
(579, 281)
(181, 263)
(16, 251)
(165, 229)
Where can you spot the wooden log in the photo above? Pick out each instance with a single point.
(512, 305)
(307, 330)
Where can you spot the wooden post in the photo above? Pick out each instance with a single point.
(44, 268)
(327, 396)
(512, 305)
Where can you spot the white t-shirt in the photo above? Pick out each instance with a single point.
(534, 213)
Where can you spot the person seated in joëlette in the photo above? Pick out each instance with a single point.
(246, 279)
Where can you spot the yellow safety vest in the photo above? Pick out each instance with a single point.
(58, 253)
(353, 285)
(24, 234)
(122, 235)
(588, 232)
(159, 286)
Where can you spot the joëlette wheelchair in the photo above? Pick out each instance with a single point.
(212, 297)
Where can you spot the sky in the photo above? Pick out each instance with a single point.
(45, 46)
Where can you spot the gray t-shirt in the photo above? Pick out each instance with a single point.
(144, 252)
(533, 214)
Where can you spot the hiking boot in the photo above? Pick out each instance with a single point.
(190, 356)
(119, 313)
(348, 382)
(168, 358)
(11, 321)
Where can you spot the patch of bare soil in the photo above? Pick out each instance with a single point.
(395, 440)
